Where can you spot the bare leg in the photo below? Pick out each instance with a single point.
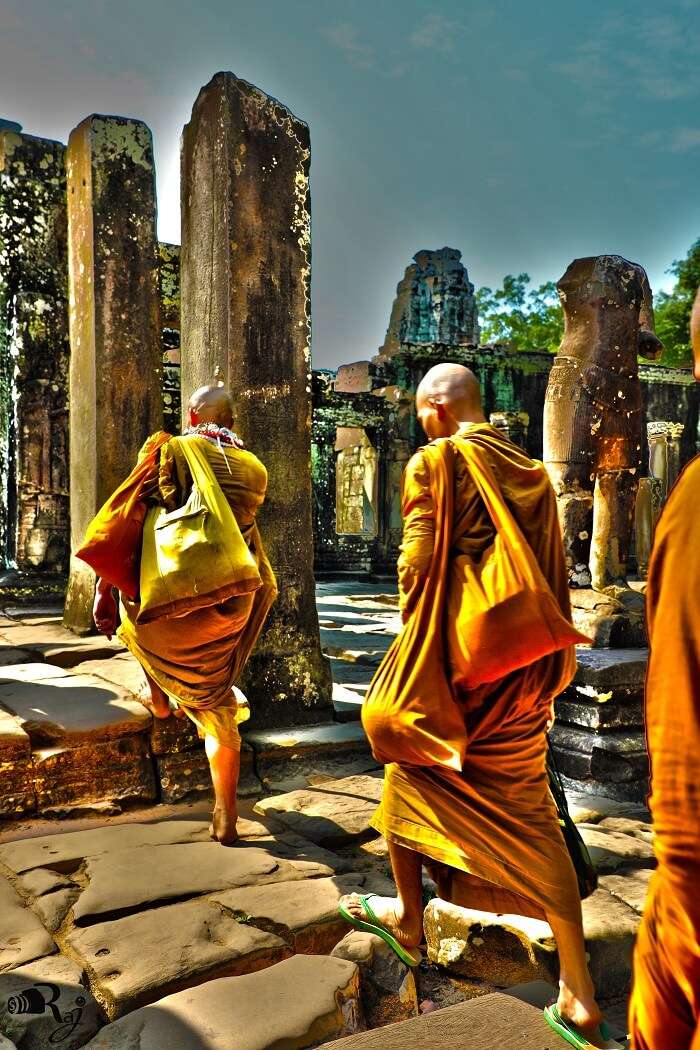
(155, 700)
(225, 765)
(576, 1000)
(402, 915)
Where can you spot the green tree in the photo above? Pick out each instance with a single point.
(672, 310)
(521, 317)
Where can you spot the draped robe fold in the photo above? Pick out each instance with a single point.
(198, 657)
(665, 1004)
(492, 828)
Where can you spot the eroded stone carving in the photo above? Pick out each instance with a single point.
(593, 413)
(434, 303)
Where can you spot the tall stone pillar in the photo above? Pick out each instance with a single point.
(246, 268)
(116, 357)
(34, 354)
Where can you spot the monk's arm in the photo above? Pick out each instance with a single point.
(418, 533)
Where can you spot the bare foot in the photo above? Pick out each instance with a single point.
(157, 704)
(585, 1014)
(407, 929)
(223, 828)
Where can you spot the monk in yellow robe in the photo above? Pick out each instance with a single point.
(488, 832)
(665, 1005)
(193, 661)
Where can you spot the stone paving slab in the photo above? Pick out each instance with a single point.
(335, 813)
(512, 949)
(126, 880)
(74, 709)
(123, 671)
(489, 1022)
(304, 914)
(139, 958)
(65, 852)
(9, 656)
(308, 1000)
(15, 744)
(53, 644)
(22, 936)
(631, 887)
(40, 1029)
(611, 850)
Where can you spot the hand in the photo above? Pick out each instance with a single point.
(104, 611)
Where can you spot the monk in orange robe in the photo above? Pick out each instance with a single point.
(486, 826)
(665, 1004)
(192, 661)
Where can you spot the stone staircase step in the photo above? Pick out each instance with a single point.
(285, 755)
(334, 813)
(300, 1002)
(496, 1021)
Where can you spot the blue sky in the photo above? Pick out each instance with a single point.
(524, 134)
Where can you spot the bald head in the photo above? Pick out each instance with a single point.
(211, 404)
(448, 396)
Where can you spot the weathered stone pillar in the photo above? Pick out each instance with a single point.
(246, 267)
(673, 455)
(115, 373)
(34, 354)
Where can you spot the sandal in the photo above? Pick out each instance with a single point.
(409, 956)
(573, 1035)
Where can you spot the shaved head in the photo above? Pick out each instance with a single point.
(211, 404)
(450, 385)
(448, 396)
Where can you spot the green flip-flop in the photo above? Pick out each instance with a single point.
(571, 1033)
(411, 957)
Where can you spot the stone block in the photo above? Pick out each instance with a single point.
(183, 775)
(17, 794)
(311, 1000)
(119, 770)
(73, 709)
(9, 656)
(611, 850)
(338, 813)
(14, 742)
(22, 936)
(52, 644)
(630, 887)
(387, 986)
(40, 1028)
(121, 670)
(611, 669)
(130, 962)
(586, 741)
(600, 716)
(634, 791)
(512, 949)
(122, 881)
(173, 735)
(487, 1022)
(355, 378)
(303, 913)
(603, 767)
(281, 754)
(65, 853)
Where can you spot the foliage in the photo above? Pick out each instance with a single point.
(523, 318)
(672, 310)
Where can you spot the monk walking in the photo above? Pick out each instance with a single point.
(665, 1006)
(193, 661)
(481, 817)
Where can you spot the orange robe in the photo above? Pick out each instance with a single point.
(665, 1005)
(197, 658)
(492, 828)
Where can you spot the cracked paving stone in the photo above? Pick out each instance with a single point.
(126, 880)
(139, 958)
(308, 1000)
(611, 849)
(22, 936)
(334, 813)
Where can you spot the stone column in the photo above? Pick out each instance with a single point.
(116, 370)
(34, 354)
(246, 268)
(673, 455)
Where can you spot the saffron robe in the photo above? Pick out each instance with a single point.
(665, 1004)
(491, 829)
(197, 658)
